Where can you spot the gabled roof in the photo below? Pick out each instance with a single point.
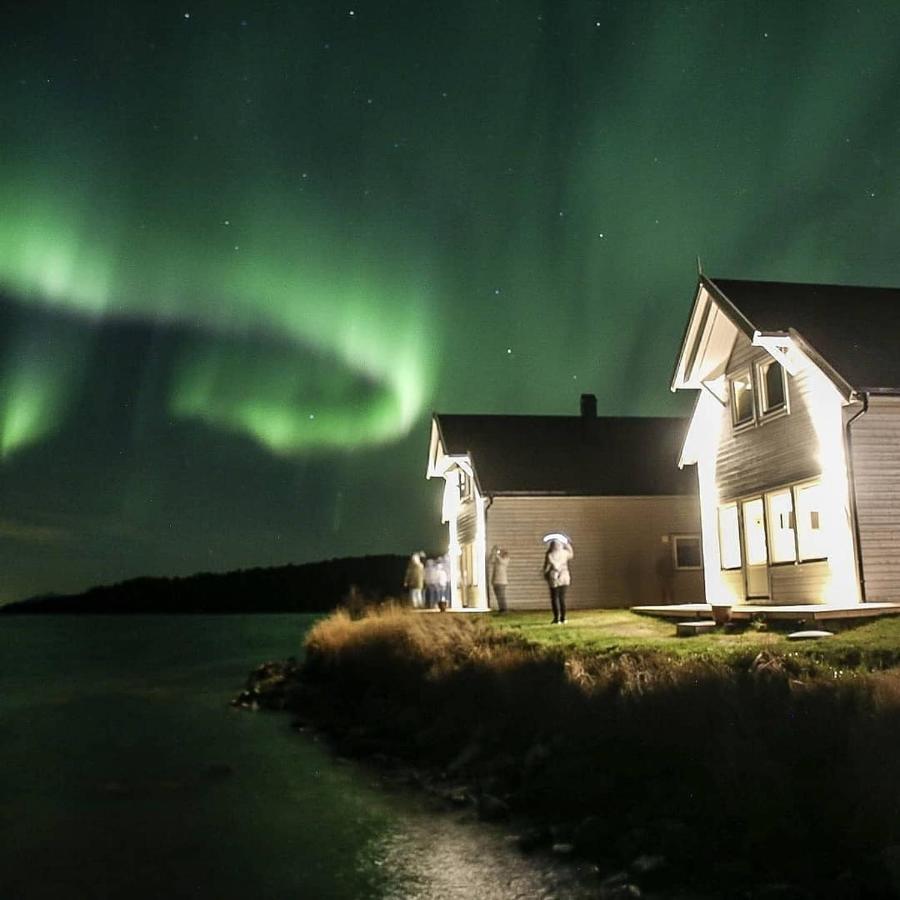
(570, 455)
(855, 330)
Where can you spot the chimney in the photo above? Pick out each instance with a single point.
(588, 406)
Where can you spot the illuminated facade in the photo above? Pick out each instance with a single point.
(608, 483)
(796, 439)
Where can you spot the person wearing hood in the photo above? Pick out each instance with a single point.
(556, 571)
(431, 583)
(500, 575)
(415, 579)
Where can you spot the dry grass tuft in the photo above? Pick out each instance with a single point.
(761, 754)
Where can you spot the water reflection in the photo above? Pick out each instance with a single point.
(450, 856)
(134, 779)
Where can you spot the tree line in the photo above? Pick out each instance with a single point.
(307, 587)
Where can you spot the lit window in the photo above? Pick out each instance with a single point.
(465, 486)
(781, 526)
(741, 399)
(810, 536)
(729, 537)
(772, 393)
(686, 548)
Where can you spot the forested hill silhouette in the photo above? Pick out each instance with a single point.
(309, 587)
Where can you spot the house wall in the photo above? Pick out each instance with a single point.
(875, 452)
(806, 443)
(622, 548)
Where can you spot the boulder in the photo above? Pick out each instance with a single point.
(492, 809)
(592, 837)
(618, 887)
(532, 839)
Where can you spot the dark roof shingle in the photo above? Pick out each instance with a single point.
(627, 456)
(856, 330)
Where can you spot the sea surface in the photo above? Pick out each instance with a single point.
(126, 774)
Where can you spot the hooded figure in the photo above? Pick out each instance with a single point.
(414, 579)
(500, 575)
(556, 571)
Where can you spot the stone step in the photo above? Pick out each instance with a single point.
(696, 626)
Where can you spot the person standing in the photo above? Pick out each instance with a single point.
(443, 582)
(556, 571)
(415, 579)
(431, 587)
(500, 575)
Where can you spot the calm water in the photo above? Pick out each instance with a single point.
(126, 774)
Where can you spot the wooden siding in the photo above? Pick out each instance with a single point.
(619, 548)
(733, 579)
(875, 448)
(466, 522)
(799, 583)
(781, 450)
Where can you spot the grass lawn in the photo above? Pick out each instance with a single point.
(872, 644)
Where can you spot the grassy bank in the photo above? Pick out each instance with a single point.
(764, 759)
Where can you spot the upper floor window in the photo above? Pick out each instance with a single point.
(758, 393)
(466, 487)
(742, 398)
(772, 393)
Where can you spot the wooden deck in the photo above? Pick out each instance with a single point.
(806, 612)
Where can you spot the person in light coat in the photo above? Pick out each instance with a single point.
(500, 575)
(414, 579)
(556, 571)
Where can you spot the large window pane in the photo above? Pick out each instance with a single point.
(781, 526)
(729, 537)
(810, 534)
(742, 399)
(687, 551)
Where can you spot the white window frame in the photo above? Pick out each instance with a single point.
(771, 529)
(754, 374)
(738, 537)
(744, 374)
(796, 490)
(761, 394)
(674, 540)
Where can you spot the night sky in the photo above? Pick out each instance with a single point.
(246, 248)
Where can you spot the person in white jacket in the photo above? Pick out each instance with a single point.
(556, 571)
(500, 575)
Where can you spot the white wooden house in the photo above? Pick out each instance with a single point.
(796, 439)
(608, 483)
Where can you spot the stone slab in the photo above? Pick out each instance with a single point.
(701, 626)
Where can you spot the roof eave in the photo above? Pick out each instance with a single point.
(738, 319)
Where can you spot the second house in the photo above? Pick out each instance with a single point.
(610, 484)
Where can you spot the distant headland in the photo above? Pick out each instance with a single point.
(307, 587)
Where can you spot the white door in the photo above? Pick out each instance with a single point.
(756, 556)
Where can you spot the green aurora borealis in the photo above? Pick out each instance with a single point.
(245, 248)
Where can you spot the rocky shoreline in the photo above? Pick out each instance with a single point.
(645, 775)
(639, 857)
